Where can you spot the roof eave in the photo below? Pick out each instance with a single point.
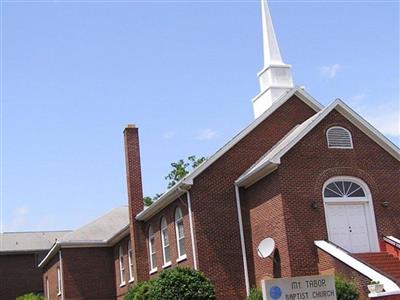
(178, 190)
(253, 177)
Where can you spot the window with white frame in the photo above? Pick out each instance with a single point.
(339, 137)
(180, 233)
(47, 289)
(165, 242)
(59, 289)
(130, 261)
(121, 265)
(152, 250)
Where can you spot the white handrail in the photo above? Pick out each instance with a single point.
(389, 285)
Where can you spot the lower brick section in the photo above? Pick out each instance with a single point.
(19, 275)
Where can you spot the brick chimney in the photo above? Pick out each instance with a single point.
(135, 199)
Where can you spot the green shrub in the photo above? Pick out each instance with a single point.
(255, 294)
(182, 284)
(345, 290)
(142, 291)
(30, 296)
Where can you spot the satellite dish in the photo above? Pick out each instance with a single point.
(266, 247)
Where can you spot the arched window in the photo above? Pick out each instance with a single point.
(121, 265)
(59, 283)
(165, 242)
(339, 137)
(130, 261)
(180, 233)
(152, 251)
(277, 272)
(343, 189)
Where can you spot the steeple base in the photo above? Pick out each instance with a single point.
(264, 100)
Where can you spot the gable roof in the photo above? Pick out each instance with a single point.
(105, 231)
(183, 185)
(13, 242)
(269, 162)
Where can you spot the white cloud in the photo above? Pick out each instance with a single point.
(330, 71)
(206, 134)
(358, 97)
(168, 135)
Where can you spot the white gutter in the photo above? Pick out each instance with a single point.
(388, 284)
(191, 230)
(168, 197)
(245, 268)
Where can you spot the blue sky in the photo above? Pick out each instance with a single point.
(75, 73)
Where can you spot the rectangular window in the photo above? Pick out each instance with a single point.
(153, 257)
(130, 260)
(121, 266)
(59, 289)
(47, 289)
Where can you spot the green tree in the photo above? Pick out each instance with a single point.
(346, 290)
(182, 284)
(30, 296)
(179, 170)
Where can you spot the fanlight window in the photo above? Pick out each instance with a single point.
(343, 189)
(339, 137)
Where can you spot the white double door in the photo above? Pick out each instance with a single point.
(348, 226)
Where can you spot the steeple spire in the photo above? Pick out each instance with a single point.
(276, 77)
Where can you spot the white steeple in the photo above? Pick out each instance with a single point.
(276, 77)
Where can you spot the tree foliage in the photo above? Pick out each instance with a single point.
(30, 296)
(174, 284)
(255, 294)
(346, 290)
(142, 291)
(182, 284)
(179, 170)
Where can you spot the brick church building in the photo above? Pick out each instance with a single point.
(320, 181)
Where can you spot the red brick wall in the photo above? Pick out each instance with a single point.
(50, 273)
(305, 169)
(263, 217)
(214, 204)
(88, 273)
(19, 275)
(169, 214)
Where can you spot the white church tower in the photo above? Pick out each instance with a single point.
(276, 76)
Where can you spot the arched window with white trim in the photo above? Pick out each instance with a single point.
(343, 189)
(180, 233)
(165, 242)
(152, 250)
(121, 265)
(339, 137)
(130, 261)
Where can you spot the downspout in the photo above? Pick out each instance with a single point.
(191, 230)
(62, 275)
(245, 268)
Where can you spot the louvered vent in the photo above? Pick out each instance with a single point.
(339, 137)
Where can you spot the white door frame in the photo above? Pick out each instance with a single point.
(366, 201)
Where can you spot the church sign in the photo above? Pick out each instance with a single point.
(300, 288)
